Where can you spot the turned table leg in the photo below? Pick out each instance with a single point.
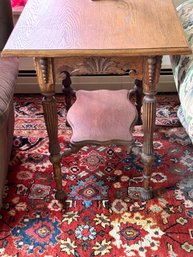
(44, 69)
(151, 70)
(150, 81)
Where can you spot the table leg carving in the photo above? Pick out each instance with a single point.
(46, 82)
(67, 90)
(151, 78)
(136, 96)
(139, 96)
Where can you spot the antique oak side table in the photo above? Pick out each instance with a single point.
(84, 37)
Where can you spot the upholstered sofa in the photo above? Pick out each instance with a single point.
(8, 74)
(183, 70)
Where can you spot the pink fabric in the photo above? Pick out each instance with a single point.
(108, 116)
(15, 3)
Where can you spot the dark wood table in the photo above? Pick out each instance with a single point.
(84, 37)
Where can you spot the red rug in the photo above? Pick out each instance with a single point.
(98, 218)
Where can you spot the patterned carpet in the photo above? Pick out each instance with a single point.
(98, 219)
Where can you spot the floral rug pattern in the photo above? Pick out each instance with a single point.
(98, 218)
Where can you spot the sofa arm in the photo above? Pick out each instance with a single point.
(183, 70)
(182, 64)
(6, 22)
(8, 74)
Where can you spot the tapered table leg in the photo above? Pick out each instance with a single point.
(151, 77)
(152, 72)
(44, 68)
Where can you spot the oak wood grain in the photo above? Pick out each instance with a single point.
(106, 27)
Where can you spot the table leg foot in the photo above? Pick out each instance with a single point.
(137, 193)
(60, 195)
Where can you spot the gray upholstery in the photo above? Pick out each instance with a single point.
(182, 66)
(8, 74)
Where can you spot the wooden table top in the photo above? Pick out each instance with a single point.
(103, 27)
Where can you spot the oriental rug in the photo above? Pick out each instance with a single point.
(98, 218)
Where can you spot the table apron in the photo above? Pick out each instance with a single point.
(77, 66)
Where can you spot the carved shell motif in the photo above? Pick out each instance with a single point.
(99, 65)
(76, 66)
